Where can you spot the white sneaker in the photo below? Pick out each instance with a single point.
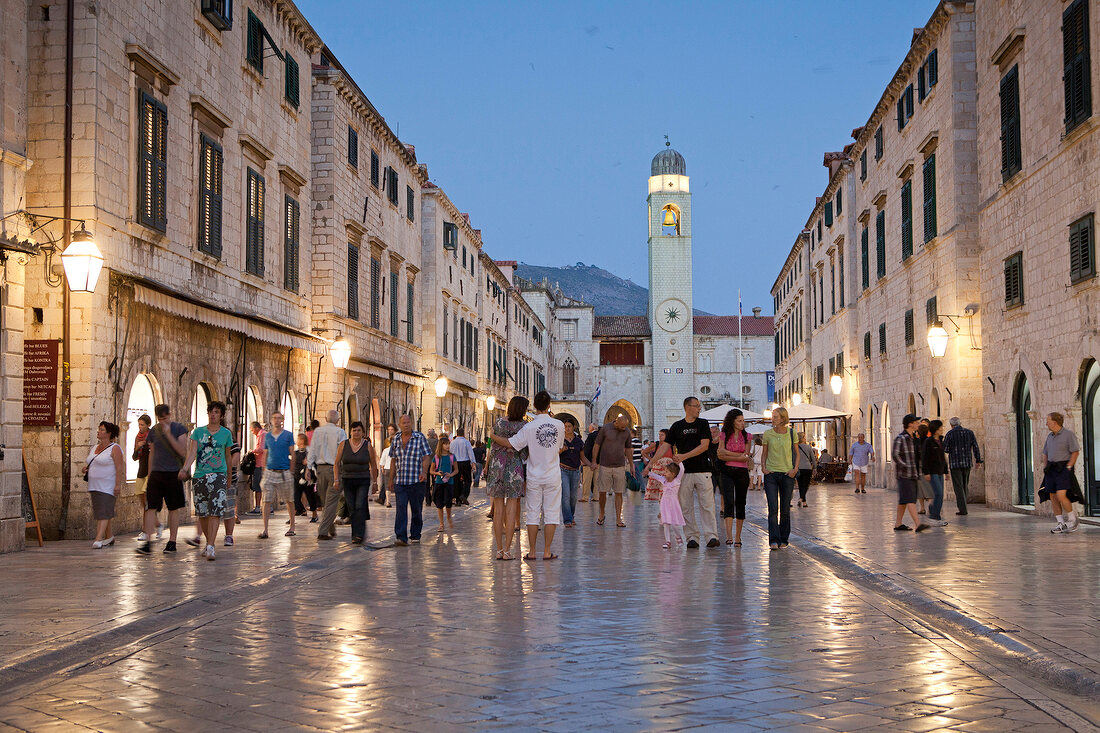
(1073, 527)
(160, 529)
(936, 522)
(210, 552)
(144, 537)
(1060, 529)
(204, 551)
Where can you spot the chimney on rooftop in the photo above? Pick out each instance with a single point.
(756, 312)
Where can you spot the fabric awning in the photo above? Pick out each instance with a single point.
(813, 413)
(249, 326)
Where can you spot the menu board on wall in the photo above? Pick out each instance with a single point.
(40, 381)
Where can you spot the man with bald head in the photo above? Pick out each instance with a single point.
(612, 454)
(322, 454)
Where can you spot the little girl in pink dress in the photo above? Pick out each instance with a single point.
(669, 474)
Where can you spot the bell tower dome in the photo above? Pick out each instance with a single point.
(670, 302)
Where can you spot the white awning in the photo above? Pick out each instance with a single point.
(220, 319)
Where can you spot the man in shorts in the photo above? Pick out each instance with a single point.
(861, 454)
(209, 453)
(230, 514)
(167, 450)
(278, 480)
(1060, 451)
(612, 455)
(904, 453)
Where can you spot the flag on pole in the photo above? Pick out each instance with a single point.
(599, 386)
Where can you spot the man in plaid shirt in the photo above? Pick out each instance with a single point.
(410, 457)
(960, 443)
(904, 453)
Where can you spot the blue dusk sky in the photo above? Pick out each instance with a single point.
(541, 119)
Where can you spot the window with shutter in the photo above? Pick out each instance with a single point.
(254, 229)
(909, 335)
(839, 202)
(922, 82)
(863, 166)
(832, 365)
(865, 257)
(353, 147)
(219, 13)
(450, 236)
(291, 91)
(933, 66)
(819, 230)
(882, 338)
(210, 197)
(901, 113)
(375, 292)
(391, 185)
(446, 330)
(290, 245)
(394, 323)
(1014, 280)
(1011, 153)
(409, 309)
(152, 205)
(839, 362)
(1082, 252)
(353, 282)
(840, 278)
(867, 345)
(375, 169)
(930, 226)
(254, 52)
(410, 202)
(906, 220)
(931, 311)
(907, 97)
(1077, 77)
(880, 243)
(832, 288)
(880, 146)
(828, 213)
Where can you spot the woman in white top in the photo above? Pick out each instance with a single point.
(384, 480)
(105, 471)
(757, 473)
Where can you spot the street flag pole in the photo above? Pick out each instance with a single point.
(740, 356)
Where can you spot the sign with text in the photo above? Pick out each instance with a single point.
(771, 387)
(40, 381)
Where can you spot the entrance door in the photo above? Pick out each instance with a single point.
(1025, 472)
(1091, 413)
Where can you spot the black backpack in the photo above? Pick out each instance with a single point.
(248, 464)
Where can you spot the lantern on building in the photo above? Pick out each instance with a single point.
(82, 261)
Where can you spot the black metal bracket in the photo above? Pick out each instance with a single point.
(990, 380)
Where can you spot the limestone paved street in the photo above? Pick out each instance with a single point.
(618, 634)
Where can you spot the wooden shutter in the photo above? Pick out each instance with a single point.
(882, 338)
(254, 230)
(409, 310)
(906, 220)
(1076, 78)
(930, 224)
(353, 282)
(375, 291)
(840, 273)
(828, 213)
(1082, 259)
(1014, 280)
(410, 203)
(374, 169)
(394, 325)
(866, 258)
(867, 345)
(153, 164)
(255, 51)
(291, 92)
(353, 147)
(931, 311)
(1010, 123)
(909, 335)
(922, 82)
(210, 197)
(933, 66)
(880, 243)
(880, 146)
(901, 113)
(290, 244)
(446, 329)
(863, 166)
(839, 202)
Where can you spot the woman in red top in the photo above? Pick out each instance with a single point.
(734, 451)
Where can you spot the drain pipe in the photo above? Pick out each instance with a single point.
(66, 355)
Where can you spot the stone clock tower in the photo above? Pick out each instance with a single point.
(670, 311)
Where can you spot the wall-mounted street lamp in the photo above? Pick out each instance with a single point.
(340, 353)
(796, 398)
(836, 382)
(938, 336)
(82, 259)
(441, 385)
(490, 402)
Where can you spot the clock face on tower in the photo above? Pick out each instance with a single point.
(671, 314)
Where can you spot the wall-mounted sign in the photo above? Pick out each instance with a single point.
(40, 381)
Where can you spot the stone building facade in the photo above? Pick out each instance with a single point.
(1039, 190)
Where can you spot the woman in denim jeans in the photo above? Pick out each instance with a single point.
(934, 464)
(570, 471)
(779, 472)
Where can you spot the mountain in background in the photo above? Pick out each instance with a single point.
(609, 294)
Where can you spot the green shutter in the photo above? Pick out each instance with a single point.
(1077, 78)
(375, 291)
(210, 197)
(828, 213)
(292, 82)
(909, 335)
(931, 311)
(353, 147)
(930, 224)
(255, 48)
(153, 163)
(394, 325)
(866, 258)
(1014, 280)
(880, 243)
(1082, 253)
(867, 345)
(906, 220)
(409, 311)
(1010, 124)
(254, 229)
(353, 282)
(882, 338)
(290, 244)
(933, 65)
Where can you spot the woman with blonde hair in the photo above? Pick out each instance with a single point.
(780, 468)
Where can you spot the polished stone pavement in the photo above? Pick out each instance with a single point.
(294, 634)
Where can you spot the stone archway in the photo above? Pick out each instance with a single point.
(623, 407)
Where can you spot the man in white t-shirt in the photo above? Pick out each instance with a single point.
(543, 438)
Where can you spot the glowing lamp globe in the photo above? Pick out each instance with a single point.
(937, 340)
(340, 352)
(82, 261)
(835, 383)
(490, 402)
(441, 387)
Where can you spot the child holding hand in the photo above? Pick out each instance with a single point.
(668, 474)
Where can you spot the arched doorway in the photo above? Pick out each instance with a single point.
(1090, 415)
(352, 413)
(375, 424)
(911, 405)
(144, 397)
(199, 404)
(883, 450)
(935, 404)
(1025, 474)
(623, 407)
(289, 408)
(253, 412)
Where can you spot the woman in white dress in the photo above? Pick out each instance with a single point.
(757, 473)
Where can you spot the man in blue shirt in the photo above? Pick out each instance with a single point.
(278, 480)
(410, 457)
(960, 444)
(861, 454)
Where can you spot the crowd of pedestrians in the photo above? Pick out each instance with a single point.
(536, 468)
